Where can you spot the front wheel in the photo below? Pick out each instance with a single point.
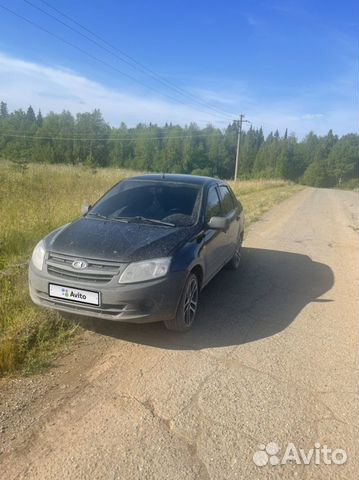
(187, 308)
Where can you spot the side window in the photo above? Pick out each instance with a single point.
(236, 202)
(234, 198)
(213, 208)
(227, 200)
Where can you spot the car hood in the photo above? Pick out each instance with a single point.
(117, 241)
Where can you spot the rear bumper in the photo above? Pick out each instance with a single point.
(152, 301)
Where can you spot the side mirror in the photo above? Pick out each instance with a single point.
(218, 223)
(85, 209)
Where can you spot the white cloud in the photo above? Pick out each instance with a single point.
(340, 120)
(311, 116)
(230, 97)
(55, 88)
(317, 108)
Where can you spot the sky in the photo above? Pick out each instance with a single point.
(281, 63)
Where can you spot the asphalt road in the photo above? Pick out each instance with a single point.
(273, 357)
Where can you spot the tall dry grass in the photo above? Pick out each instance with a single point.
(259, 196)
(34, 202)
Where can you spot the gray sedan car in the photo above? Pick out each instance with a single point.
(143, 252)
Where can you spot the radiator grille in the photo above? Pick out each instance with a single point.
(97, 271)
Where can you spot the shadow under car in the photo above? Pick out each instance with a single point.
(259, 300)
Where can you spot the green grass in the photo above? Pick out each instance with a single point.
(33, 203)
(259, 196)
(352, 184)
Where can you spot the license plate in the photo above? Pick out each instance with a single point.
(74, 294)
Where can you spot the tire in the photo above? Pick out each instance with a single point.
(187, 308)
(235, 261)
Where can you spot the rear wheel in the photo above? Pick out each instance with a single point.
(235, 261)
(187, 308)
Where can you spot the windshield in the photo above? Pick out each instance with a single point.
(135, 200)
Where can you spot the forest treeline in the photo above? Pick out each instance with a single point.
(324, 161)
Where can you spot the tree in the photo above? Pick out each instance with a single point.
(53, 142)
(3, 110)
(283, 165)
(146, 148)
(343, 159)
(30, 115)
(62, 138)
(230, 145)
(39, 119)
(120, 146)
(91, 136)
(318, 175)
(250, 145)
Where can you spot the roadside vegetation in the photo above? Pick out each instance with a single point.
(36, 200)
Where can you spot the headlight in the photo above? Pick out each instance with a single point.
(147, 270)
(38, 255)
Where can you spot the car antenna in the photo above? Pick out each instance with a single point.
(163, 175)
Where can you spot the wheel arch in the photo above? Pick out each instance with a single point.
(198, 271)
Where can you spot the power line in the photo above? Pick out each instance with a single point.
(58, 37)
(132, 61)
(138, 66)
(109, 139)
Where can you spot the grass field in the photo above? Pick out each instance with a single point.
(34, 202)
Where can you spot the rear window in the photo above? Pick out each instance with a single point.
(227, 200)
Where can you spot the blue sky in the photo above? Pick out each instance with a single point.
(282, 63)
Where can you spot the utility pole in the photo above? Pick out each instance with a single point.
(239, 135)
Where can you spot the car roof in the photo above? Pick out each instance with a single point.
(178, 178)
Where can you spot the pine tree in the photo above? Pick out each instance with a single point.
(30, 115)
(3, 110)
(260, 138)
(39, 119)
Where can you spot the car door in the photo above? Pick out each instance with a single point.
(213, 239)
(229, 210)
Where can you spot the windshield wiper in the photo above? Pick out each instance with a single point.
(104, 217)
(138, 218)
(97, 215)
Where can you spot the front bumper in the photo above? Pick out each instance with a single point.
(151, 301)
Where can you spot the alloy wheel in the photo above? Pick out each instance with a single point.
(237, 258)
(190, 301)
